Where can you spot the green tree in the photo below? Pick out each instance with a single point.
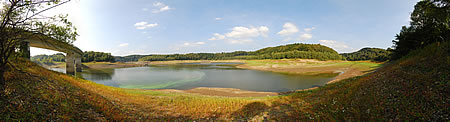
(429, 23)
(20, 21)
(374, 54)
(89, 56)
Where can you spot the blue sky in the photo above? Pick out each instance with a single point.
(124, 27)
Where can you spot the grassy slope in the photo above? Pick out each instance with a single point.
(38, 93)
(411, 88)
(415, 87)
(33, 92)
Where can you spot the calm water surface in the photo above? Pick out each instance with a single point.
(192, 75)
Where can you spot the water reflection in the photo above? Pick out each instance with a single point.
(97, 74)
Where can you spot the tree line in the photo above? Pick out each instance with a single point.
(373, 54)
(430, 23)
(89, 56)
(58, 57)
(129, 58)
(290, 51)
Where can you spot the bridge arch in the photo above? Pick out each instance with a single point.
(73, 53)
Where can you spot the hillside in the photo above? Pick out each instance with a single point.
(415, 87)
(34, 93)
(412, 88)
(373, 54)
(296, 47)
(290, 51)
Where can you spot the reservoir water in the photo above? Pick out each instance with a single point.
(192, 75)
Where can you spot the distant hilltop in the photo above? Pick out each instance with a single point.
(290, 51)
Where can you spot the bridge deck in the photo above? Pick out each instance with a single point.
(53, 44)
(73, 54)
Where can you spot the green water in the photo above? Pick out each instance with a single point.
(187, 76)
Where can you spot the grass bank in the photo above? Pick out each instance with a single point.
(413, 88)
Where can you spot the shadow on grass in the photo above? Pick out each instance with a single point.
(249, 111)
(375, 68)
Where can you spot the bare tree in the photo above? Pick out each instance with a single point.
(22, 20)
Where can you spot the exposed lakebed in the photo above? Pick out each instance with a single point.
(193, 75)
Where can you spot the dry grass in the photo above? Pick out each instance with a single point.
(409, 89)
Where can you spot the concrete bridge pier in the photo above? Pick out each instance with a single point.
(73, 63)
(24, 49)
(70, 64)
(78, 63)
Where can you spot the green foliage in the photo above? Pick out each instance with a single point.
(302, 55)
(59, 57)
(21, 20)
(373, 54)
(296, 47)
(89, 56)
(129, 58)
(304, 51)
(429, 23)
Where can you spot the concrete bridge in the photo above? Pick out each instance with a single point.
(73, 54)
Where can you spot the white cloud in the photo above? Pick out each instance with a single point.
(338, 46)
(161, 7)
(165, 8)
(144, 9)
(244, 32)
(157, 4)
(144, 25)
(187, 44)
(288, 29)
(305, 36)
(123, 45)
(217, 37)
(240, 35)
(217, 18)
(308, 30)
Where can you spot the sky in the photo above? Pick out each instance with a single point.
(124, 27)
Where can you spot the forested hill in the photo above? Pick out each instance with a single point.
(296, 47)
(58, 57)
(88, 56)
(290, 51)
(373, 54)
(129, 58)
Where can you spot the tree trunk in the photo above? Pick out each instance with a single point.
(2, 78)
